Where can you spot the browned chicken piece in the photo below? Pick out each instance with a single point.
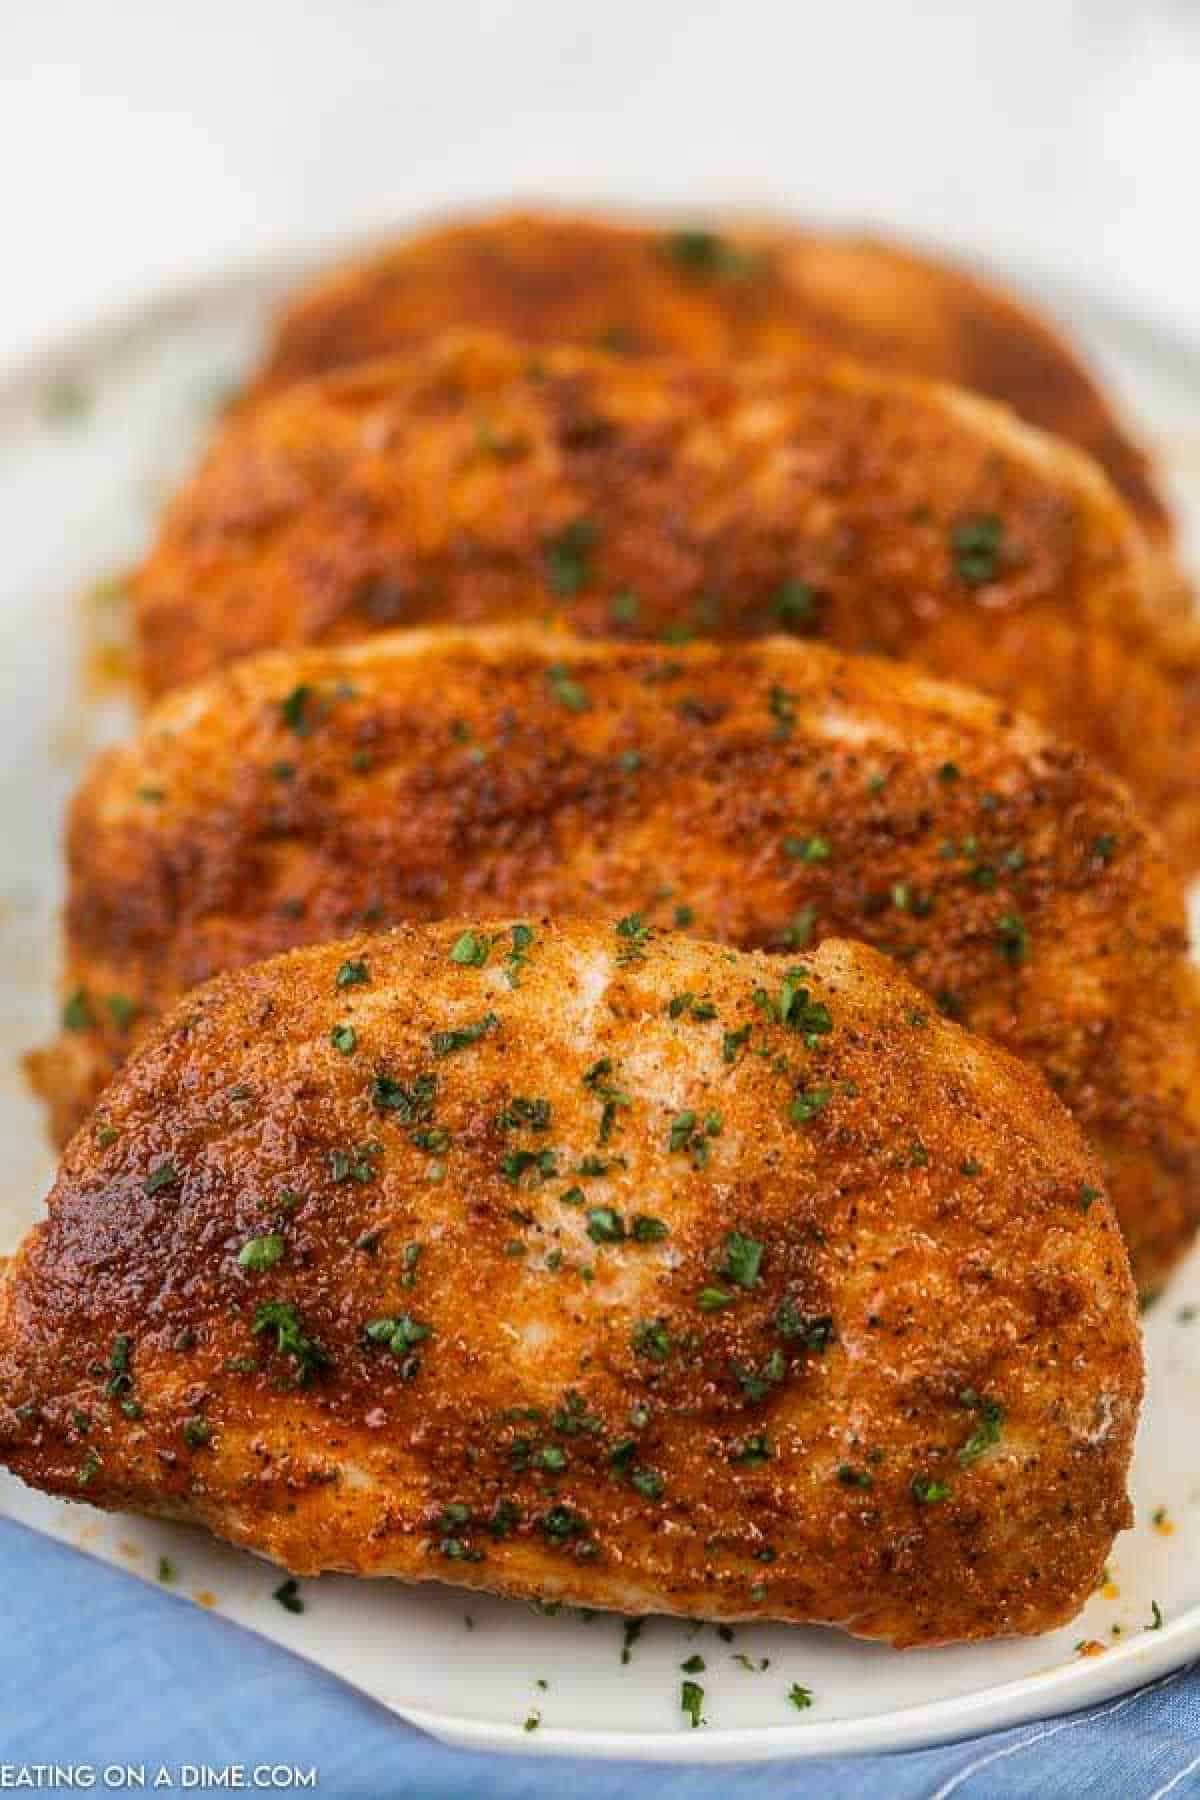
(474, 483)
(579, 1263)
(753, 287)
(765, 794)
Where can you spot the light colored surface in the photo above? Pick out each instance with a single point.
(145, 143)
(82, 494)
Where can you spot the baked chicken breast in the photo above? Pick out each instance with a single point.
(766, 794)
(578, 1263)
(473, 483)
(749, 288)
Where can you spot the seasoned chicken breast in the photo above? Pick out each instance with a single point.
(752, 287)
(579, 1263)
(474, 483)
(766, 794)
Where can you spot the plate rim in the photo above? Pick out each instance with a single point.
(1124, 1670)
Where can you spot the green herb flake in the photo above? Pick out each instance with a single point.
(814, 849)
(294, 710)
(800, 1697)
(344, 1039)
(794, 603)
(651, 1339)
(988, 1429)
(928, 1491)
(353, 973)
(568, 557)
(634, 935)
(446, 1043)
(77, 1014)
(691, 1701)
(259, 1253)
(743, 1259)
(291, 1340)
(164, 1176)
(977, 544)
(1012, 938)
(288, 1595)
(471, 950)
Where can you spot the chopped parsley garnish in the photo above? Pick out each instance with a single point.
(1156, 1617)
(281, 1317)
(634, 937)
(743, 1259)
(562, 1523)
(783, 710)
(695, 1665)
(88, 1468)
(808, 1103)
(353, 973)
(516, 1163)
(445, 1043)
(344, 1038)
(814, 1331)
(1012, 938)
(412, 1105)
(977, 544)
(518, 956)
(605, 1226)
(800, 1697)
(568, 557)
(631, 1631)
(565, 689)
(927, 1491)
(987, 1431)
(697, 251)
(688, 1003)
(690, 1134)
(794, 603)
(1088, 1196)
(648, 1483)
(525, 1115)
(732, 1042)
(472, 949)
(650, 1338)
(850, 1477)
(357, 1164)
(1104, 846)
(196, 1433)
(122, 1010)
(814, 849)
(399, 1333)
(691, 1701)
(288, 1595)
(712, 1299)
(796, 1008)
(77, 1014)
(647, 1230)
(259, 1253)
(166, 1175)
(294, 710)
(754, 1449)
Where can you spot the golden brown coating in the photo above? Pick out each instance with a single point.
(475, 484)
(600, 1267)
(764, 794)
(750, 289)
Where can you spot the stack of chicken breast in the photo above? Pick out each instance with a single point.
(627, 1027)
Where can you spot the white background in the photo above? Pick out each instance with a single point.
(146, 141)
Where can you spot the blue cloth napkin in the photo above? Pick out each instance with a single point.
(97, 1668)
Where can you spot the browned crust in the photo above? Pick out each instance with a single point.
(757, 287)
(473, 483)
(933, 1228)
(776, 792)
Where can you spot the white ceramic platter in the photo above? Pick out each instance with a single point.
(90, 440)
